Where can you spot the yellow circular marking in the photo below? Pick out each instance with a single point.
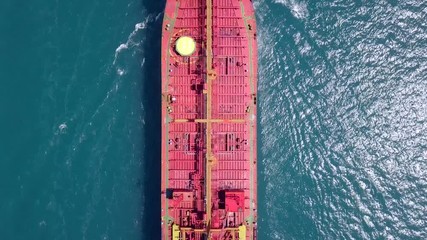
(177, 58)
(185, 46)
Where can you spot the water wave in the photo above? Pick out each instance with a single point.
(342, 112)
(298, 8)
(131, 40)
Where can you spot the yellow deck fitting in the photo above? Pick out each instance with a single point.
(175, 232)
(242, 232)
(185, 46)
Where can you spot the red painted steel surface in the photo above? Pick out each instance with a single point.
(232, 92)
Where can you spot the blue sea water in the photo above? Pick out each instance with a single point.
(342, 119)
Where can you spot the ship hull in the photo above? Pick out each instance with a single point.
(209, 91)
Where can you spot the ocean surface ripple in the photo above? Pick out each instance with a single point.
(342, 119)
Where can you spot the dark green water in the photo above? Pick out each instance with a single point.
(343, 119)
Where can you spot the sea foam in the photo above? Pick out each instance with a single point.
(298, 9)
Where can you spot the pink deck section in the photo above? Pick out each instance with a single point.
(233, 183)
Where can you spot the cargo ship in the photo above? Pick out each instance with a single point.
(209, 99)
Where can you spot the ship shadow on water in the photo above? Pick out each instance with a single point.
(151, 101)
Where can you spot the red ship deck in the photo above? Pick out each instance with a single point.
(209, 121)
